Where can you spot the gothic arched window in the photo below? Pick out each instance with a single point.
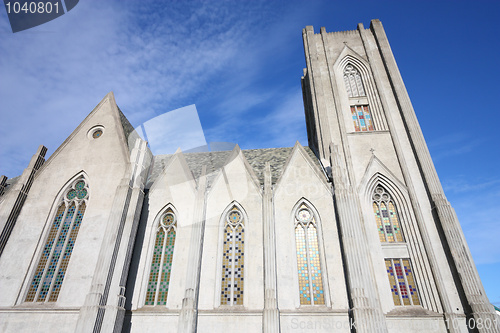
(360, 110)
(386, 215)
(233, 258)
(51, 268)
(308, 258)
(161, 263)
(353, 82)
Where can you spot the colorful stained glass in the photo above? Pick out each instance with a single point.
(314, 260)
(386, 217)
(239, 261)
(227, 253)
(70, 244)
(412, 287)
(155, 268)
(97, 134)
(403, 287)
(46, 253)
(308, 259)
(302, 266)
(233, 259)
(52, 265)
(166, 269)
(392, 282)
(378, 219)
(161, 262)
(361, 118)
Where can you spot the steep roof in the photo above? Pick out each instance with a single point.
(214, 161)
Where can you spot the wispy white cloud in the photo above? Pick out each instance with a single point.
(155, 57)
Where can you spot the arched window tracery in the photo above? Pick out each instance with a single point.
(51, 269)
(353, 81)
(161, 262)
(399, 270)
(233, 256)
(308, 257)
(386, 215)
(360, 110)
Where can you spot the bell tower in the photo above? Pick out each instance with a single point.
(403, 248)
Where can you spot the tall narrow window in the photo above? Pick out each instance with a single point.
(353, 82)
(388, 226)
(308, 260)
(161, 263)
(361, 118)
(403, 287)
(233, 258)
(51, 268)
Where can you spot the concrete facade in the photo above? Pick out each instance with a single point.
(132, 198)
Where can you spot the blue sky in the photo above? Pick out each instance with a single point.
(240, 62)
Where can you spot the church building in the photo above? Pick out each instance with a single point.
(352, 233)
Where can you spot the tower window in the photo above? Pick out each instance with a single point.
(361, 118)
(161, 263)
(308, 260)
(403, 287)
(353, 82)
(51, 268)
(233, 258)
(389, 229)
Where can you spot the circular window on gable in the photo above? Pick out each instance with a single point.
(95, 132)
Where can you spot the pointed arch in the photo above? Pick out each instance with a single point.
(396, 227)
(353, 81)
(66, 216)
(309, 262)
(233, 221)
(163, 252)
(353, 72)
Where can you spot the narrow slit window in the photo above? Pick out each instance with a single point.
(361, 118)
(403, 287)
(233, 258)
(51, 269)
(161, 263)
(308, 259)
(386, 216)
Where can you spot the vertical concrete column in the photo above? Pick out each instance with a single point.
(271, 316)
(450, 315)
(189, 313)
(480, 307)
(3, 184)
(103, 306)
(16, 197)
(317, 91)
(366, 308)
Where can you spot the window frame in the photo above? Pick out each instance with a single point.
(61, 198)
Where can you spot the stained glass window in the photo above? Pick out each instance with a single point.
(353, 82)
(161, 263)
(403, 287)
(308, 259)
(97, 134)
(233, 258)
(386, 216)
(361, 118)
(51, 269)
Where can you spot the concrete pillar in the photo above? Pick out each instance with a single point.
(189, 313)
(103, 309)
(480, 307)
(366, 308)
(271, 315)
